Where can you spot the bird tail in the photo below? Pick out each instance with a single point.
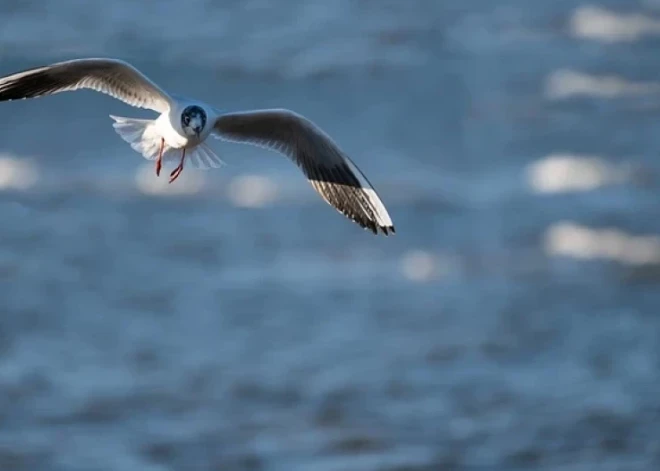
(145, 139)
(141, 134)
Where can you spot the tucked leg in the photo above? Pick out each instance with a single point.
(159, 160)
(177, 171)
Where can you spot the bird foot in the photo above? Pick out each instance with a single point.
(176, 172)
(159, 160)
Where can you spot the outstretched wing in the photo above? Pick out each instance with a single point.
(332, 174)
(110, 76)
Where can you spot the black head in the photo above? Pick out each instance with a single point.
(193, 120)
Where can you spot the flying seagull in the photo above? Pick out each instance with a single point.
(184, 125)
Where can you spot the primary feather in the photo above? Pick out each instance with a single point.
(110, 76)
(332, 174)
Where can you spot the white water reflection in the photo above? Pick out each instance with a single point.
(567, 83)
(252, 191)
(561, 173)
(17, 174)
(600, 24)
(189, 182)
(568, 239)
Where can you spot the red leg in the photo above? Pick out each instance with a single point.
(159, 161)
(177, 171)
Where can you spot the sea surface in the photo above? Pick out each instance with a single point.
(235, 321)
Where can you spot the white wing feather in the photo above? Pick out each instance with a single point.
(332, 174)
(109, 76)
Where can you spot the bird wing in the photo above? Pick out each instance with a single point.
(110, 76)
(332, 174)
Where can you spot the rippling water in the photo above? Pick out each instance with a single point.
(234, 321)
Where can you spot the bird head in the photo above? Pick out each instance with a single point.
(193, 120)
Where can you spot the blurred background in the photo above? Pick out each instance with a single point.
(235, 321)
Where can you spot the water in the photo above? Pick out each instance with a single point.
(234, 321)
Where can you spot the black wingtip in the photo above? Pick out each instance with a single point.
(387, 230)
(391, 230)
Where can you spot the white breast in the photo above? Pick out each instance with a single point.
(172, 133)
(169, 124)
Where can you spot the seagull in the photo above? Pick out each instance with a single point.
(183, 125)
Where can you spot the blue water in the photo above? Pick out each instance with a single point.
(153, 327)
